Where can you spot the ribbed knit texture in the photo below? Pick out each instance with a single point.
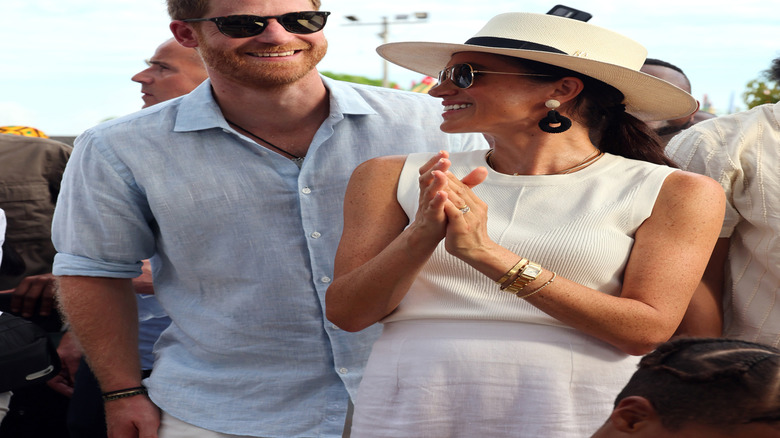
(742, 152)
(580, 225)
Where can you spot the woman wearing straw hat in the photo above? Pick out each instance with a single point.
(517, 284)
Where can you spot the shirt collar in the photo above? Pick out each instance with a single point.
(345, 99)
(199, 110)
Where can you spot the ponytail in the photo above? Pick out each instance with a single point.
(600, 108)
(625, 135)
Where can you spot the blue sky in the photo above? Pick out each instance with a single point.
(66, 65)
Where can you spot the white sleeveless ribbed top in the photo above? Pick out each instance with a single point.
(580, 225)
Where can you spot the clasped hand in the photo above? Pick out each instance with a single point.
(449, 209)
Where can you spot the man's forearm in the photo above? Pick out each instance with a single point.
(103, 315)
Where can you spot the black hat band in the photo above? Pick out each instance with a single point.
(508, 43)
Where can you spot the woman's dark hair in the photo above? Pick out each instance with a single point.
(774, 71)
(600, 108)
(717, 382)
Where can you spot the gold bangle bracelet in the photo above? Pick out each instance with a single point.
(512, 272)
(539, 288)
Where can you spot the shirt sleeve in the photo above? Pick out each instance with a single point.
(703, 149)
(102, 224)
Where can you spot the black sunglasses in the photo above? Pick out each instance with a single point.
(245, 26)
(462, 75)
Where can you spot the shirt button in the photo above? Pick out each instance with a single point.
(306, 190)
(316, 235)
(325, 279)
(343, 370)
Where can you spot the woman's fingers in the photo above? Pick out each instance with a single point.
(460, 189)
(438, 162)
(433, 161)
(475, 177)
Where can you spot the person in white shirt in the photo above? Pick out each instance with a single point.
(742, 152)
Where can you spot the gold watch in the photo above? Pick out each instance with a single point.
(529, 273)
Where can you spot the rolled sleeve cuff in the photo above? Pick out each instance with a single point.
(69, 264)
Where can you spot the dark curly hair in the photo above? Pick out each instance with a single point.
(774, 70)
(717, 382)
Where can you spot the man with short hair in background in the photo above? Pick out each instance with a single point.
(173, 71)
(666, 129)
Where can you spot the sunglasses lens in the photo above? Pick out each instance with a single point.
(443, 75)
(304, 22)
(242, 26)
(462, 75)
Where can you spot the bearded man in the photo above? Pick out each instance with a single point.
(235, 192)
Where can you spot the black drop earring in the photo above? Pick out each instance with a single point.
(554, 118)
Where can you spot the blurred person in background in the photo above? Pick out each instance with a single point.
(31, 168)
(5, 397)
(666, 129)
(173, 71)
(742, 282)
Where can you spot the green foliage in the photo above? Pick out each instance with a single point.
(356, 79)
(760, 91)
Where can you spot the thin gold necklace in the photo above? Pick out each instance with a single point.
(590, 159)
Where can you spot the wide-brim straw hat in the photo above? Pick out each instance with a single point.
(584, 48)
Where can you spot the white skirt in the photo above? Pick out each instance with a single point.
(447, 378)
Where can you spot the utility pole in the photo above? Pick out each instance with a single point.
(419, 17)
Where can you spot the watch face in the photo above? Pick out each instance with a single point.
(532, 271)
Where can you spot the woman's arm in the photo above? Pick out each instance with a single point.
(670, 252)
(377, 258)
(704, 316)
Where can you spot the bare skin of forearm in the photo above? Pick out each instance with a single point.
(103, 315)
(704, 316)
(353, 302)
(143, 283)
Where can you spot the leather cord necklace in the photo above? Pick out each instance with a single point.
(295, 158)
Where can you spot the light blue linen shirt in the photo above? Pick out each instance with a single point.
(244, 243)
(152, 320)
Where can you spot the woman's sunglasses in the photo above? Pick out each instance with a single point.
(245, 26)
(462, 75)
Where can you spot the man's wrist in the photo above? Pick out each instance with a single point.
(124, 393)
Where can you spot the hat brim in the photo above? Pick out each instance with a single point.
(646, 97)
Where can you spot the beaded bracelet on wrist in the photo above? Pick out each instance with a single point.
(123, 393)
